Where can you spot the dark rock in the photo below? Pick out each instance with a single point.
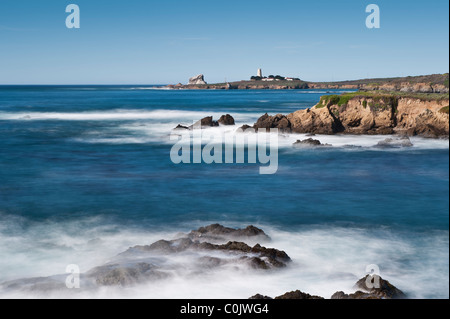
(297, 295)
(226, 120)
(395, 143)
(117, 275)
(181, 127)
(356, 295)
(260, 297)
(218, 232)
(278, 121)
(246, 127)
(309, 143)
(381, 131)
(208, 122)
(386, 290)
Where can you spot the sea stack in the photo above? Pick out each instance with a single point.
(196, 80)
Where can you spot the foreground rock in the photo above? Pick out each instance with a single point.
(293, 295)
(217, 233)
(386, 291)
(204, 250)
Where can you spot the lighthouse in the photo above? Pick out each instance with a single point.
(260, 74)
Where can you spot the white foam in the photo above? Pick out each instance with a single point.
(325, 260)
(116, 115)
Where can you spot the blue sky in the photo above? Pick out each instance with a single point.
(161, 42)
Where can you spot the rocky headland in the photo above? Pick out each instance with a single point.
(372, 113)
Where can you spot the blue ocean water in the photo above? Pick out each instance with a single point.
(79, 163)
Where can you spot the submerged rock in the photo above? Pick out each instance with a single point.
(310, 143)
(395, 143)
(181, 128)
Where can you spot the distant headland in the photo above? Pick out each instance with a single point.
(435, 83)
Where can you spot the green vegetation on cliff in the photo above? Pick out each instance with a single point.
(444, 109)
(379, 99)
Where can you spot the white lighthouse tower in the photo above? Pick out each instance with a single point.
(260, 74)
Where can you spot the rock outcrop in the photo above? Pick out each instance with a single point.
(308, 143)
(395, 143)
(226, 120)
(370, 114)
(297, 295)
(197, 80)
(206, 249)
(385, 291)
(208, 122)
(278, 121)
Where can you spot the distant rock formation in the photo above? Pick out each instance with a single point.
(208, 122)
(197, 80)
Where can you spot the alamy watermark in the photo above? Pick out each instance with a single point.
(197, 145)
(73, 280)
(373, 21)
(373, 280)
(73, 19)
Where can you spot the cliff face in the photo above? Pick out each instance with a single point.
(388, 87)
(377, 114)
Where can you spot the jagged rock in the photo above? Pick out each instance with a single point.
(197, 80)
(278, 121)
(310, 143)
(260, 297)
(395, 143)
(218, 232)
(298, 295)
(118, 275)
(245, 127)
(356, 295)
(226, 120)
(181, 128)
(385, 291)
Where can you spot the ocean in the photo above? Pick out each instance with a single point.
(85, 173)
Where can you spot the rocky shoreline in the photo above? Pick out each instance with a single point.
(358, 113)
(197, 253)
(435, 83)
(367, 113)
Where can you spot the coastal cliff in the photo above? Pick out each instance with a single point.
(368, 113)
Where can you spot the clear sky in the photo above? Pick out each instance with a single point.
(162, 42)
